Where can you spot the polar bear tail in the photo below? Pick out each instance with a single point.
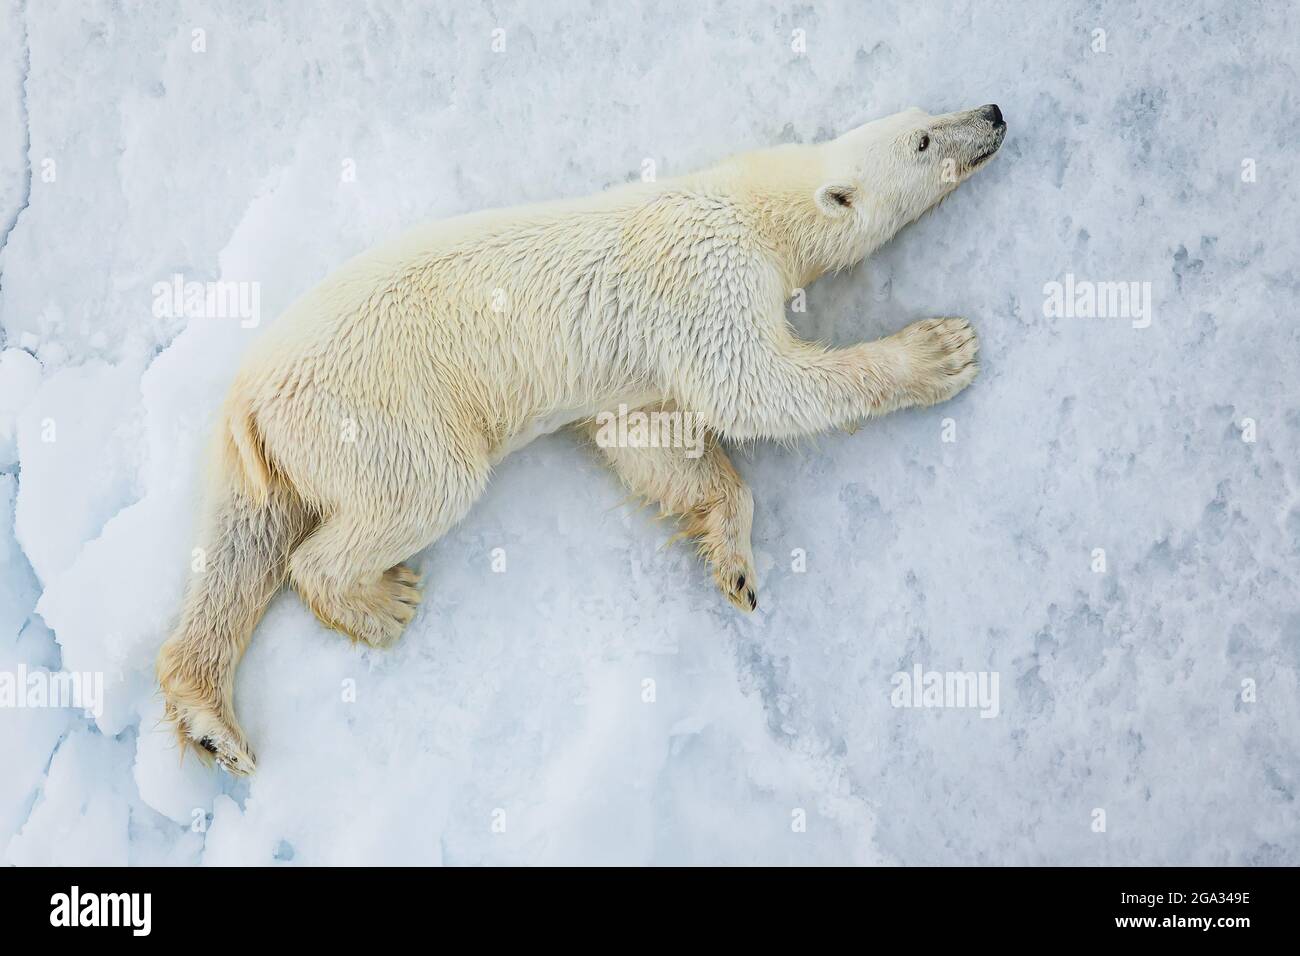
(253, 520)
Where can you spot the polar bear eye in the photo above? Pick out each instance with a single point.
(925, 141)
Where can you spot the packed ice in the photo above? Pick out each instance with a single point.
(1103, 531)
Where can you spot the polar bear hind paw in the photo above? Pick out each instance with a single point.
(375, 613)
(212, 738)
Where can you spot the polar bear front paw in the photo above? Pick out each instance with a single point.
(735, 579)
(939, 359)
(721, 529)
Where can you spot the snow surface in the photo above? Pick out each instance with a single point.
(519, 697)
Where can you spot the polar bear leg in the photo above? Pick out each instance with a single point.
(348, 570)
(701, 486)
(777, 387)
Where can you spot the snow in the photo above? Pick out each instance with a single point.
(20, 374)
(515, 723)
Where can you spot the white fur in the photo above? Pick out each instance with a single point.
(364, 424)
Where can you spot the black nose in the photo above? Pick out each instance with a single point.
(992, 114)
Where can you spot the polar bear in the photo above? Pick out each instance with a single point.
(365, 422)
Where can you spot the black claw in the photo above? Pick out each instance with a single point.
(753, 601)
(207, 744)
(740, 582)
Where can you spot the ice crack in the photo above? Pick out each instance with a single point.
(26, 199)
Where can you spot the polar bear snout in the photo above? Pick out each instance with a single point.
(993, 114)
(983, 130)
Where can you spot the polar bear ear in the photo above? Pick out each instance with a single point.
(837, 198)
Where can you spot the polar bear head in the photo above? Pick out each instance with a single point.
(826, 206)
(877, 178)
(898, 167)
